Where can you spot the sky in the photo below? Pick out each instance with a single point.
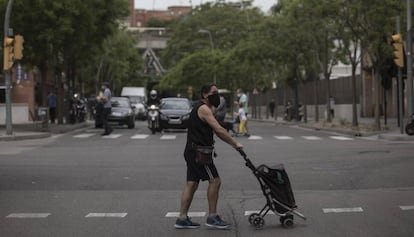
(163, 4)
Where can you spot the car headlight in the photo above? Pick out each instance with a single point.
(163, 116)
(185, 117)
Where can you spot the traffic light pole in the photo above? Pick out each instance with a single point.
(409, 62)
(7, 73)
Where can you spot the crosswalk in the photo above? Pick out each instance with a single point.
(174, 137)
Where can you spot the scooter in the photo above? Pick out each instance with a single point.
(153, 119)
(409, 128)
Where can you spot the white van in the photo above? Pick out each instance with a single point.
(138, 98)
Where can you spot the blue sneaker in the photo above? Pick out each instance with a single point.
(217, 223)
(186, 224)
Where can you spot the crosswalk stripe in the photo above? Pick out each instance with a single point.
(84, 135)
(110, 215)
(28, 215)
(312, 138)
(248, 213)
(341, 210)
(112, 136)
(341, 138)
(283, 137)
(190, 214)
(168, 137)
(140, 136)
(255, 137)
(407, 208)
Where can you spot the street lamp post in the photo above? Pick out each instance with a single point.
(212, 49)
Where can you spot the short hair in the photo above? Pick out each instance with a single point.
(205, 89)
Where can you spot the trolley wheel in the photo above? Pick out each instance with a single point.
(252, 216)
(287, 221)
(258, 222)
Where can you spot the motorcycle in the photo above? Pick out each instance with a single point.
(153, 119)
(78, 109)
(409, 128)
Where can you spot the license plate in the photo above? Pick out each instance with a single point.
(116, 114)
(174, 122)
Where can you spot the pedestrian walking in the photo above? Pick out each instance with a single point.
(243, 121)
(105, 98)
(51, 103)
(198, 155)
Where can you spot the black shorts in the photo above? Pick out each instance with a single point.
(197, 172)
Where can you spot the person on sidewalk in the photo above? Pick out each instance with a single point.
(51, 103)
(202, 126)
(272, 106)
(107, 107)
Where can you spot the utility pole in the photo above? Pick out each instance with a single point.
(7, 72)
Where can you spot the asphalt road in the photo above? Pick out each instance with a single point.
(129, 184)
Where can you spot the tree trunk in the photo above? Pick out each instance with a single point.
(354, 98)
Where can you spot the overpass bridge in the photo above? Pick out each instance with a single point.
(151, 41)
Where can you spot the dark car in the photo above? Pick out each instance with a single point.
(174, 113)
(122, 113)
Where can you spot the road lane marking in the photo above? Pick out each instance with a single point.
(255, 137)
(190, 214)
(248, 213)
(342, 210)
(168, 137)
(341, 138)
(28, 215)
(84, 135)
(140, 136)
(283, 137)
(407, 208)
(112, 136)
(312, 138)
(104, 215)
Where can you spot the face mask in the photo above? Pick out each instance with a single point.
(214, 99)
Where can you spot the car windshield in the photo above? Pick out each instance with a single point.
(120, 103)
(175, 104)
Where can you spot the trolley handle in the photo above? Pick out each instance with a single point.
(242, 153)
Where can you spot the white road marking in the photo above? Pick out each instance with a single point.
(312, 138)
(283, 138)
(84, 135)
(341, 210)
(28, 215)
(407, 208)
(255, 137)
(168, 137)
(190, 214)
(341, 138)
(112, 136)
(248, 213)
(140, 136)
(103, 215)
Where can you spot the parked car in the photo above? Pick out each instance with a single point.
(174, 113)
(122, 113)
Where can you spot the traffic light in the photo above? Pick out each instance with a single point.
(397, 44)
(18, 47)
(8, 53)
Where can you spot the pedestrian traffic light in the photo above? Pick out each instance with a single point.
(8, 53)
(397, 44)
(18, 47)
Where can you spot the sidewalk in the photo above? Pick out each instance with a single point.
(390, 132)
(37, 131)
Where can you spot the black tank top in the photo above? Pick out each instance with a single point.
(199, 132)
